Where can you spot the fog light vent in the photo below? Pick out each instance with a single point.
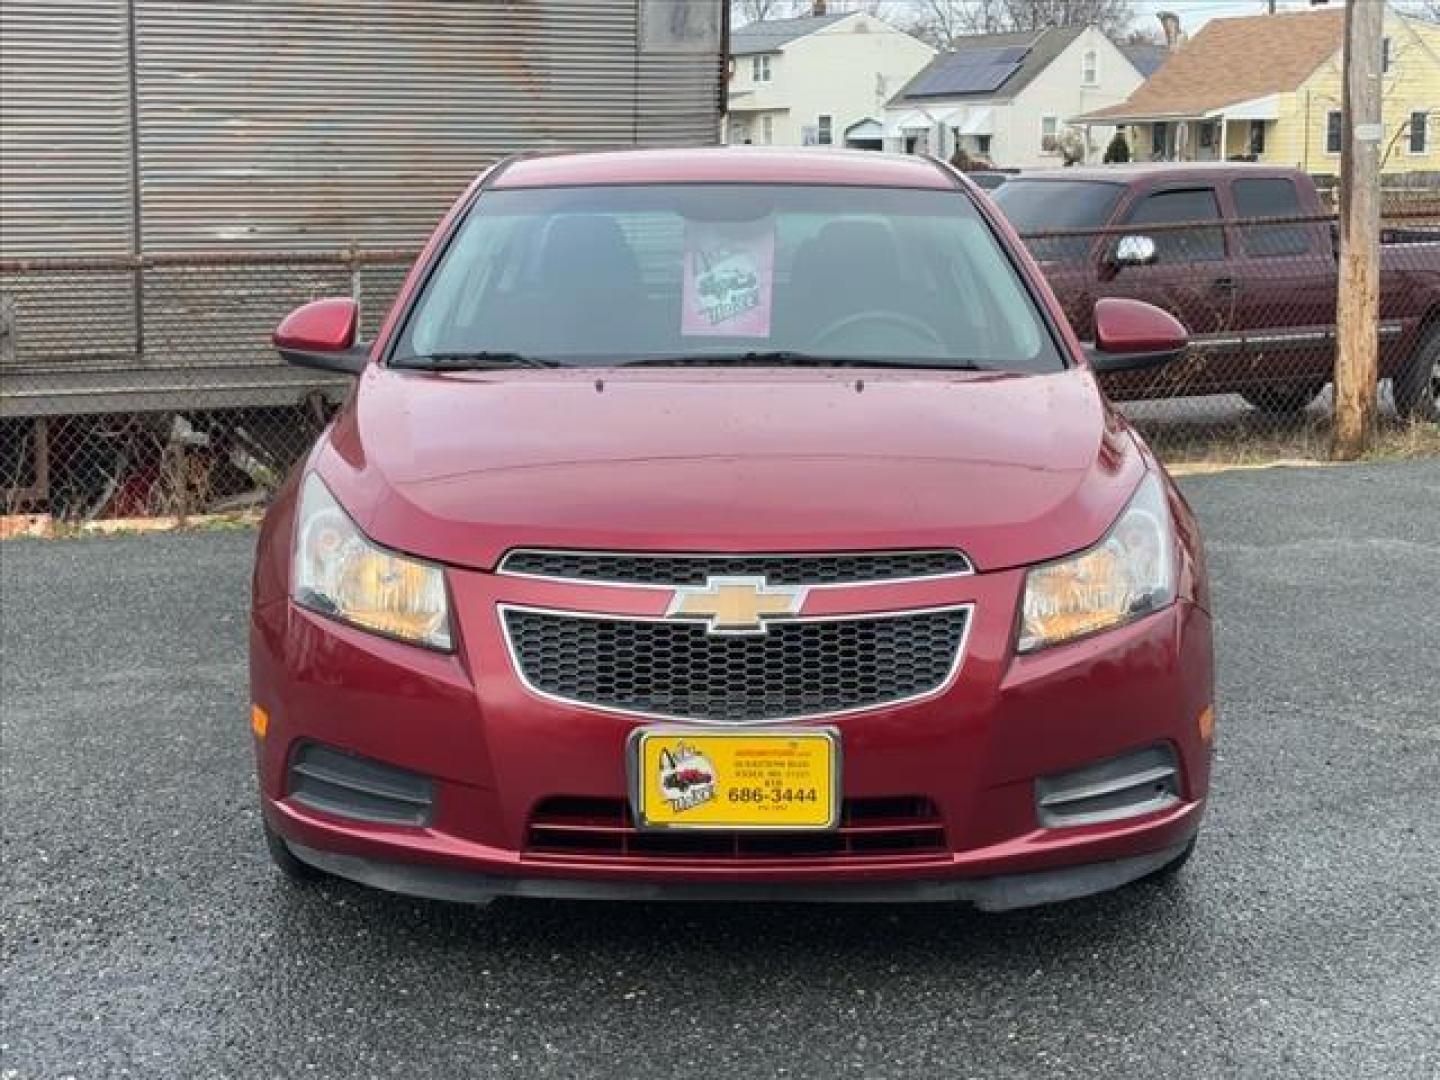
(1122, 787)
(334, 782)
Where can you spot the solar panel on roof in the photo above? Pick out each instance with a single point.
(970, 71)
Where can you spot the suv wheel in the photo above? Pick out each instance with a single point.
(1284, 400)
(1417, 385)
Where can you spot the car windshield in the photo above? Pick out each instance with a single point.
(1041, 206)
(744, 273)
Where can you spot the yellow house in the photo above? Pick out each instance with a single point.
(1267, 88)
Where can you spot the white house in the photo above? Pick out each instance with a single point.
(1006, 97)
(819, 80)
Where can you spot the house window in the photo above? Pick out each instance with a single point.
(1385, 54)
(1159, 138)
(1257, 138)
(982, 144)
(1049, 134)
(1207, 136)
(1090, 68)
(1333, 132)
(1418, 132)
(760, 68)
(767, 129)
(823, 130)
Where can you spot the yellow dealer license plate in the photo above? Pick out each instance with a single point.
(726, 778)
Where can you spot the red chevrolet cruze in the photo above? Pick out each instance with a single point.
(730, 523)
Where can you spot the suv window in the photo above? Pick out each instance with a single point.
(1036, 207)
(1272, 197)
(1188, 204)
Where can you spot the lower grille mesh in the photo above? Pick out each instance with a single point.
(902, 826)
(677, 669)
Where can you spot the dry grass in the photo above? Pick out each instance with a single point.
(1256, 439)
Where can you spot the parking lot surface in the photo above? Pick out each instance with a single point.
(146, 934)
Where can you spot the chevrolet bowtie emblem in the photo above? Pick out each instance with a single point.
(736, 605)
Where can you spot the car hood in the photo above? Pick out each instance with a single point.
(1011, 469)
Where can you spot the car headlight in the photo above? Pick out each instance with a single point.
(340, 573)
(1128, 574)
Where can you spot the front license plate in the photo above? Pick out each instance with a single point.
(720, 778)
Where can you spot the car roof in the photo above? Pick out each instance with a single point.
(1158, 170)
(726, 165)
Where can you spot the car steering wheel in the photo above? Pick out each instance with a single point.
(909, 323)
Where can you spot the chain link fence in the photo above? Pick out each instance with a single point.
(147, 386)
(1259, 298)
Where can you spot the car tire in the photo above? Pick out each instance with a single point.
(1174, 866)
(1284, 400)
(286, 862)
(1417, 385)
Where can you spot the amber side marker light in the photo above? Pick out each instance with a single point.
(259, 721)
(1206, 723)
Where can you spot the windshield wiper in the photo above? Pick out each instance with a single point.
(791, 358)
(471, 361)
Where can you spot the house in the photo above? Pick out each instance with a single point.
(1006, 97)
(1147, 56)
(818, 80)
(1267, 88)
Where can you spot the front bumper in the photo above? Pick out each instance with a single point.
(998, 893)
(495, 752)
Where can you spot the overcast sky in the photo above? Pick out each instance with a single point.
(1194, 13)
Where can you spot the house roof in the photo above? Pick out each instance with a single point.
(988, 65)
(771, 35)
(1147, 56)
(1234, 60)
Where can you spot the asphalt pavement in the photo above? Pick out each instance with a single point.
(146, 934)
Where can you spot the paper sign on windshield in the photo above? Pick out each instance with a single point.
(729, 278)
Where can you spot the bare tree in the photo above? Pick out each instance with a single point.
(940, 22)
(748, 11)
(1112, 16)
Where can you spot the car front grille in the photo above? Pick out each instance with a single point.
(675, 669)
(902, 826)
(640, 569)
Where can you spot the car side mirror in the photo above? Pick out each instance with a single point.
(1131, 334)
(321, 335)
(1136, 251)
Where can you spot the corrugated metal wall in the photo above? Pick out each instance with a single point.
(64, 128)
(294, 123)
(65, 178)
(316, 123)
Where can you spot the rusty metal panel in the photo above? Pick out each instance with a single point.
(64, 128)
(322, 123)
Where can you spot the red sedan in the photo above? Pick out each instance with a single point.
(730, 523)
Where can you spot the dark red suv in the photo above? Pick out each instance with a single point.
(735, 523)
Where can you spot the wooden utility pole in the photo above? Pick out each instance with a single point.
(1358, 311)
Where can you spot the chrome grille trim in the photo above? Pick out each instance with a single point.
(963, 566)
(502, 609)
